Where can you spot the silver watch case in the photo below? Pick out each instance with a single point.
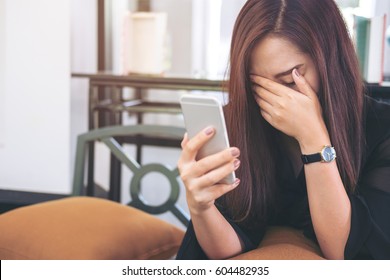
(328, 154)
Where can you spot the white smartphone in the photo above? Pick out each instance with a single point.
(199, 112)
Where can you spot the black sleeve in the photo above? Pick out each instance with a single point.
(370, 221)
(191, 250)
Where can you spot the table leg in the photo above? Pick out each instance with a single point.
(115, 165)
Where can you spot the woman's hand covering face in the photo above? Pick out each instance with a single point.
(294, 110)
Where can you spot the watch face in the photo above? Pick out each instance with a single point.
(328, 154)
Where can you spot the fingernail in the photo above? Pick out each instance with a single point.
(236, 182)
(236, 164)
(235, 152)
(209, 130)
(296, 73)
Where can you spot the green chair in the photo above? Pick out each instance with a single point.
(83, 227)
(107, 136)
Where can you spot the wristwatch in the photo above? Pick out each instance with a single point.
(327, 154)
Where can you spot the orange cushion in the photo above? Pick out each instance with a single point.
(85, 228)
(283, 243)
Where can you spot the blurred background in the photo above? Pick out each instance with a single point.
(43, 107)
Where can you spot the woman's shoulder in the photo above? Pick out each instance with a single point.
(377, 121)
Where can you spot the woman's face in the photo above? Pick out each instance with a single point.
(274, 58)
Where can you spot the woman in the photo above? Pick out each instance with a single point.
(296, 98)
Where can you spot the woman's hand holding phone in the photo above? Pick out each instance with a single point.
(207, 162)
(202, 177)
(203, 181)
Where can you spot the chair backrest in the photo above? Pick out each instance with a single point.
(107, 136)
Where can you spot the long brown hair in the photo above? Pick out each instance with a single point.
(319, 30)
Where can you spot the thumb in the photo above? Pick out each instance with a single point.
(302, 84)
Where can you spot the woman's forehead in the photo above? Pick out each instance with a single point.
(273, 55)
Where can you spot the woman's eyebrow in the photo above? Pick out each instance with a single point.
(287, 72)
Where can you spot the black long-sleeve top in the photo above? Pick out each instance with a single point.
(369, 236)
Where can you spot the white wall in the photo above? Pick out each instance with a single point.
(83, 54)
(212, 27)
(179, 32)
(36, 86)
(2, 73)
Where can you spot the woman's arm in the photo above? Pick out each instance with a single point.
(214, 233)
(298, 113)
(329, 204)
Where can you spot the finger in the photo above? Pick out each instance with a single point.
(302, 85)
(219, 190)
(185, 140)
(266, 95)
(265, 108)
(212, 162)
(192, 146)
(211, 193)
(267, 116)
(216, 175)
(268, 84)
(264, 105)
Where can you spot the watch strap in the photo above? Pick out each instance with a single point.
(311, 158)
